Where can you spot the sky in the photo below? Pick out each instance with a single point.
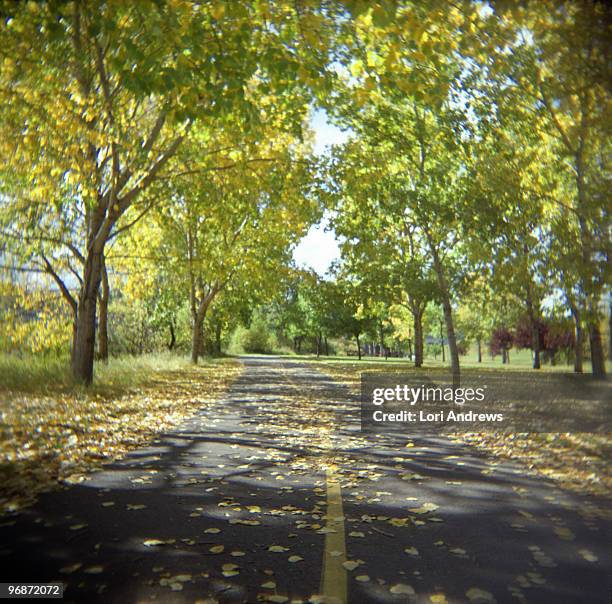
(319, 248)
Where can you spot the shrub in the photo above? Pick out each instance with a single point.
(257, 338)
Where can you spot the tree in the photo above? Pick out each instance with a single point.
(508, 226)
(380, 243)
(402, 98)
(236, 224)
(559, 337)
(99, 98)
(474, 318)
(551, 60)
(288, 310)
(502, 340)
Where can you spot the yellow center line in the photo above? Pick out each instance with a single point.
(333, 579)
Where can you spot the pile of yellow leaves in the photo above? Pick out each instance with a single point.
(578, 462)
(58, 437)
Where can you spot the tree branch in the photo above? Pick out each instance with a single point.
(65, 291)
(555, 119)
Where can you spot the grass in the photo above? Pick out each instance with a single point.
(520, 361)
(32, 372)
(40, 374)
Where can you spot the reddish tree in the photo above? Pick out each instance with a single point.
(559, 337)
(502, 340)
(523, 337)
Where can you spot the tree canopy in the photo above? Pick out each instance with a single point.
(172, 140)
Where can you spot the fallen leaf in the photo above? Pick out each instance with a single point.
(181, 578)
(425, 508)
(564, 533)
(403, 589)
(230, 570)
(588, 555)
(78, 527)
(479, 596)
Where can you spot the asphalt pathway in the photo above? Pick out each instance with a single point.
(274, 495)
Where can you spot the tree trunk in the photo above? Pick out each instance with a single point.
(535, 329)
(172, 342)
(318, 338)
(196, 341)
(442, 343)
(448, 311)
(598, 363)
(579, 340)
(610, 331)
(197, 338)
(537, 364)
(597, 354)
(535, 343)
(326, 347)
(417, 317)
(358, 347)
(74, 336)
(103, 330)
(104, 297)
(85, 338)
(479, 343)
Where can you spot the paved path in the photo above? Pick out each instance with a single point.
(274, 495)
